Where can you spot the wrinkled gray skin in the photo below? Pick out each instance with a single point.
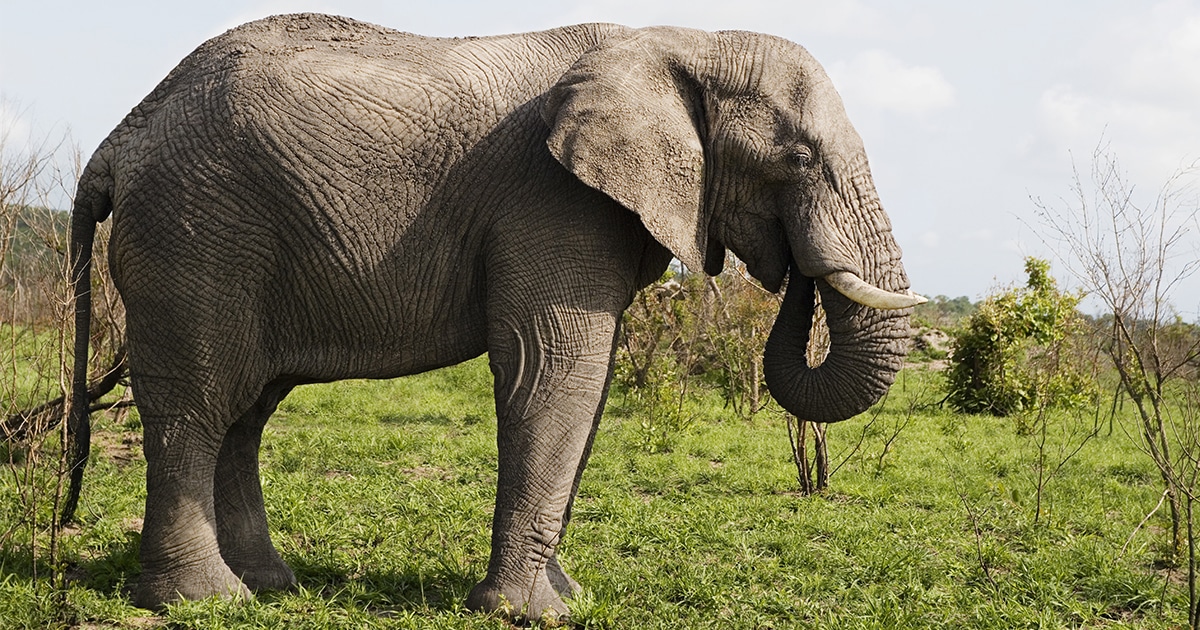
(309, 198)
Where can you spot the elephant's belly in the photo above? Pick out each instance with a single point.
(334, 341)
(373, 326)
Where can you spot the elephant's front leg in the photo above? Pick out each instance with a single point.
(551, 371)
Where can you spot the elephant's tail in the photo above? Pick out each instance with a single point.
(93, 202)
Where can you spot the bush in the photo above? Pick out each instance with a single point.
(688, 328)
(1015, 350)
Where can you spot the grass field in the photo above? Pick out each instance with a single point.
(380, 493)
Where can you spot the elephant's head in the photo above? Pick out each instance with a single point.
(739, 140)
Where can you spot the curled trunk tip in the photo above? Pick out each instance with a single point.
(867, 348)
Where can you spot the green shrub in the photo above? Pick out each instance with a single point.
(1015, 350)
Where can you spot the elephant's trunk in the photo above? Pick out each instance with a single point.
(866, 348)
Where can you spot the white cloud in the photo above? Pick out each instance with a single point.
(1163, 62)
(1136, 88)
(983, 235)
(930, 239)
(1154, 139)
(878, 79)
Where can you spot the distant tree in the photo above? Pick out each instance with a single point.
(735, 332)
(942, 312)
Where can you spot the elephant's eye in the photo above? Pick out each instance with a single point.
(799, 157)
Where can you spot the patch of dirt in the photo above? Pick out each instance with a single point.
(121, 447)
(425, 471)
(127, 622)
(926, 342)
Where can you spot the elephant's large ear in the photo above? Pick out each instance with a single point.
(624, 120)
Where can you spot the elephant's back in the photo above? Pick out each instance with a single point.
(220, 66)
(263, 114)
(293, 42)
(357, 86)
(335, 92)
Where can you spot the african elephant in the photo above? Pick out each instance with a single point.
(309, 198)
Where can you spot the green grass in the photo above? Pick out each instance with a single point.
(380, 494)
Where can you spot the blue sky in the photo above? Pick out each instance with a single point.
(967, 108)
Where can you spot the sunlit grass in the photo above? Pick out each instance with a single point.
(380, 494)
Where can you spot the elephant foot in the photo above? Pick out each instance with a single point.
(271, 575)
(563, 584)
(537, 601)
(156, 589)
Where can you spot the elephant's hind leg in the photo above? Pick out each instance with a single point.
(238, 501)
(180, 555)
(192, 385)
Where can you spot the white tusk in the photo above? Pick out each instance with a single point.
(855, 288)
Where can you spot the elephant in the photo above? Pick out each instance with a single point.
(308, 198)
